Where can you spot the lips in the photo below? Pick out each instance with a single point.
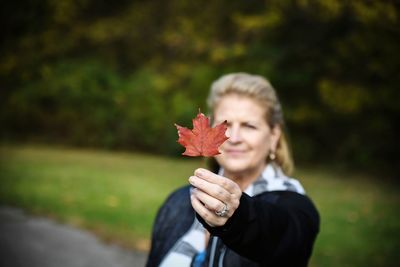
(235, 152)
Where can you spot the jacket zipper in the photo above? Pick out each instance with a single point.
(212, 253)
(221, 257)
(214, 243)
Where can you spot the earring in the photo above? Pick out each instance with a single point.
(271, 156)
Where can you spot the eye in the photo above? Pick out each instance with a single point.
(227, 123)
(249, 125)
(219, 122)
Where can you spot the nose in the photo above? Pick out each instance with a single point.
(233, 133)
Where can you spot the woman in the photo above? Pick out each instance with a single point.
(247, 212)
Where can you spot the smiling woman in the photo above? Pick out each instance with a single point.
(248, 212)
(250, 138)
(256, 91)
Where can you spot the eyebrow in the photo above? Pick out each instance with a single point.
(246, 121)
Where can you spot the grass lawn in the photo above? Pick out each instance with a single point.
(116, 195)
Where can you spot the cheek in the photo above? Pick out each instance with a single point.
(224, 145)
(261, 144)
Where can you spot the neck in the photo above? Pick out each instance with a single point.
(244, 179)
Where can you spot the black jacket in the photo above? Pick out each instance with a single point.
(275, 228)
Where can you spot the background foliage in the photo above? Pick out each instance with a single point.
(118, 74)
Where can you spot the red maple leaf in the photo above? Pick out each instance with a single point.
(202, 140)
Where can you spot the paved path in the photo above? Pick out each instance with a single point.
(27, 241)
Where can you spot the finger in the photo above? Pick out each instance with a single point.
(209, 216)
(209, 202)
(211, 177)
(214, 190)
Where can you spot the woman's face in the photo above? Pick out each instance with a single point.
(250, 137)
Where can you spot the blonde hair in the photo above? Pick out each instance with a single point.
(261, 90)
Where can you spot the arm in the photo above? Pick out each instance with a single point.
(266, 231)
(274, 227)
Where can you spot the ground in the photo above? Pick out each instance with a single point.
(40, 242)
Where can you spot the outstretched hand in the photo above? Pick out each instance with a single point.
(210, 195)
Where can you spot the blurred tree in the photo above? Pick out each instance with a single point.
(136, 67)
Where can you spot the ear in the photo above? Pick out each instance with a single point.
(275, 136)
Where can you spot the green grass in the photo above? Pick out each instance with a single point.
(359, 219)
(116, 195)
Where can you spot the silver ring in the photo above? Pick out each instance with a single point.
(223, 212)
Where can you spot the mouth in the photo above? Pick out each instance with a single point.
(234, 152)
